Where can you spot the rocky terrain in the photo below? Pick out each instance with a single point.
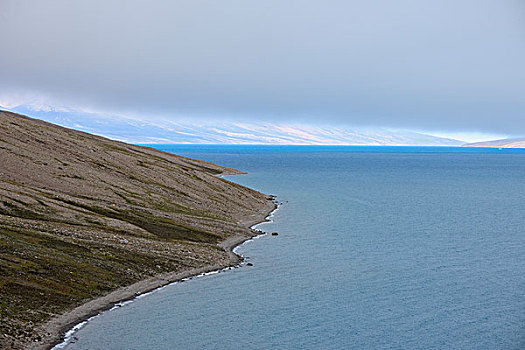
(505, 143)
(81, 216)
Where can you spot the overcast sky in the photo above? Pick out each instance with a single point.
(427, 65)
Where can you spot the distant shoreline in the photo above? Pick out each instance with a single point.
(56, 328)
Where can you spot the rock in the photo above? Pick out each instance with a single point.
(249, 264)
(275, 233)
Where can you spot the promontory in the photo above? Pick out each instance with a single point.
(86, 222)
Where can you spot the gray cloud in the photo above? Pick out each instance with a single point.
(455, 65)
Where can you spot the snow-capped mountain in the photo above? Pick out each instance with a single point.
(214, 132)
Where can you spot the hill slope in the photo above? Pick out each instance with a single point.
(81, 215)
(505, 143)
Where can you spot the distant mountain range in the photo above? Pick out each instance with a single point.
(505, 143)
(201, 132)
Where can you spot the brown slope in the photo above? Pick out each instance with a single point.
(81, 215)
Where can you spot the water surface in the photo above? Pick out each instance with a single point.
(379, 248)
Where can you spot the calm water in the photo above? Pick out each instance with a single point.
(379, 248)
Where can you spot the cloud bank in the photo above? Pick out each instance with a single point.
(448, 65)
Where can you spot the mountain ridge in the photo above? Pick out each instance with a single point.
(518, 142)
(229, 132)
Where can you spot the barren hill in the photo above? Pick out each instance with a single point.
(81, 215)
(505, 143)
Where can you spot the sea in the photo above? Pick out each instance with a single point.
(377, 248)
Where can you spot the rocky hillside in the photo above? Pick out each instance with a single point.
(81, 215)
(505, 143)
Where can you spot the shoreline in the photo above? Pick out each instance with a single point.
(61, 328)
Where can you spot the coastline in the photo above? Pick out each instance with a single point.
(60, 328)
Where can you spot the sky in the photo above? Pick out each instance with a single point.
(448, 67)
